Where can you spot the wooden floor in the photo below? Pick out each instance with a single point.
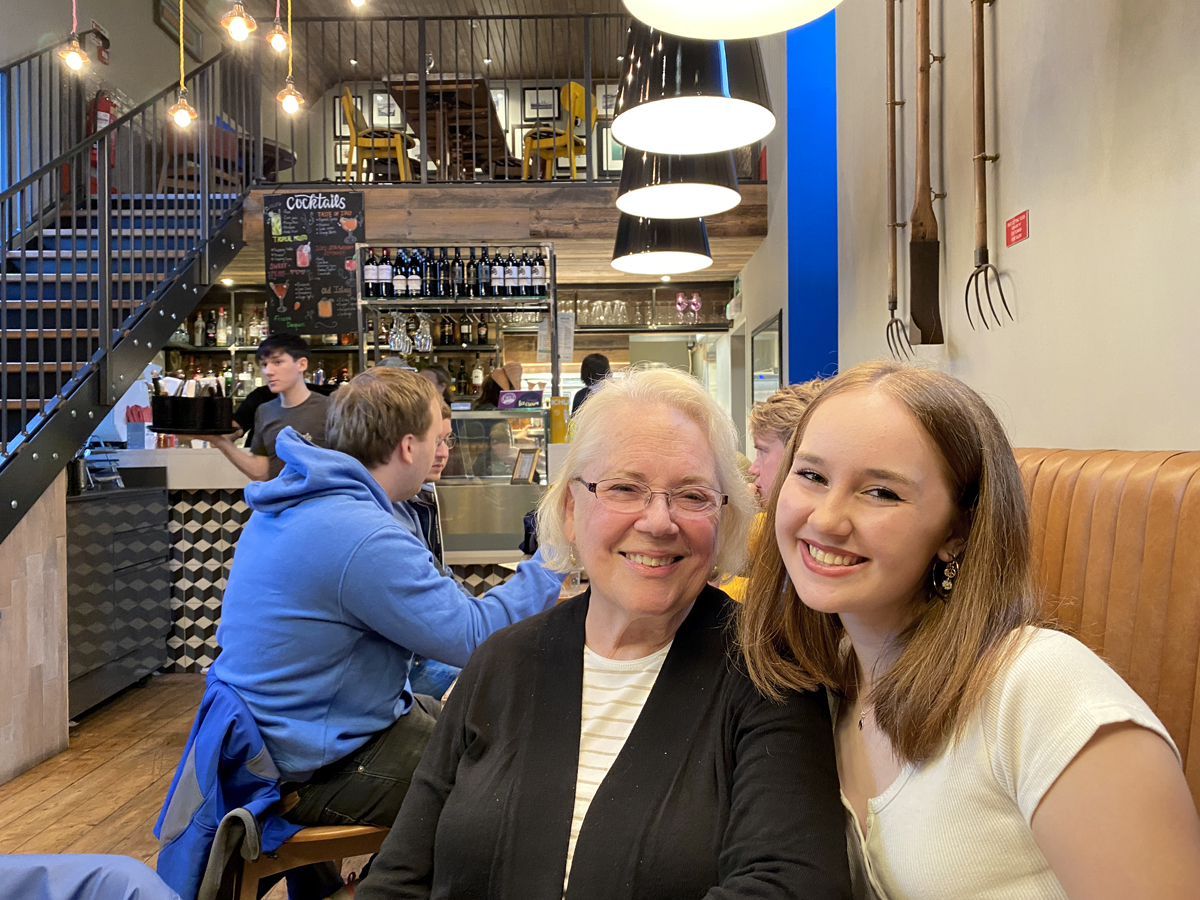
(104, 793)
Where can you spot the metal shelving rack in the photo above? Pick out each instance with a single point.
(547, 304)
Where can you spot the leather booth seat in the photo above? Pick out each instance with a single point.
(1116, 554)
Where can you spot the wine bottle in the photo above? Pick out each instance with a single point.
(428, 273)
(400, 275)
(539, 273)
(370, 274)
(458, 276)
(482, 331)
(477, 376)
(445, 288)
(210, 330)
(467, 331)
(472, 276)
(498, 275)
(512, 284)
(383, 276)
(485, 275)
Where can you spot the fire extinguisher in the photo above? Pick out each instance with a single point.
(100, 114)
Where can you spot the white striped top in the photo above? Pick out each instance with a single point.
(614, 692)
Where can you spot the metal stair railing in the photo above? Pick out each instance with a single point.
(108, 247)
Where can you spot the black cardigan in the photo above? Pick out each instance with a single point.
(717, 793)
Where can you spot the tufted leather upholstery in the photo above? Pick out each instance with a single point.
(1116, 551)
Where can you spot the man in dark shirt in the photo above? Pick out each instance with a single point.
(284, 360)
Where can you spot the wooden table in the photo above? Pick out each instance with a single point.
(461, 123)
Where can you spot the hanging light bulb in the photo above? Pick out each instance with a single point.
(289, 98)
(238, 22)
(181, 112)
(674, 89)
(72, 55)
(711, 19)
(660, 246)
(358, 2)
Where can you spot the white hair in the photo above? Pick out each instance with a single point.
(644, 390)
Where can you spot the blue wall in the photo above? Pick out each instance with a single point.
(812, 319)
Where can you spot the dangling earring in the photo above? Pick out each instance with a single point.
(572, 558)
(949, 574)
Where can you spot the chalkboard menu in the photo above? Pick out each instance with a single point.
(311, 261)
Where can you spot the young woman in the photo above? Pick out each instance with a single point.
(979, 755)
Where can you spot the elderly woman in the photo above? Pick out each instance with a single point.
(611, 747)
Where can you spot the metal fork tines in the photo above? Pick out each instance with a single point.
(985, 273)
(897, 336)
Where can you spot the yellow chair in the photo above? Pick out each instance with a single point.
(307, 846)
(551, 143)
(368, 144)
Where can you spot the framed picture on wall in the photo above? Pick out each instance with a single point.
(562, 166)
(606, 100)
(341, 153)
(539, 104)
(516, 139)
(166, 17)
(500, 102)
(385, 111)
(341, 128)
(612, 153)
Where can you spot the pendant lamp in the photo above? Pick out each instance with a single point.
(72, 55)
(277, 37)
(677, 187)
(238, 22)
(715, 20)
(660, 246)
(289, 98)
(685, 96)
(181, 112)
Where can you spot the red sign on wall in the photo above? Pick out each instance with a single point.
(1016, 229)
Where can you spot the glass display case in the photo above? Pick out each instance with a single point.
(481, 507)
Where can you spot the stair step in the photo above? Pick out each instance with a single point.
(49, 364)
(58, 268)
(83, 242)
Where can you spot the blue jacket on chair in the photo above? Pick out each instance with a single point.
(225, 766)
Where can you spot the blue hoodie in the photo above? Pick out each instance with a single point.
(329, 597)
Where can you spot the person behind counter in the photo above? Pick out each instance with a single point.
(709, 788)
(979, 755)
(592, 372)
(329, 597)
(284, 360)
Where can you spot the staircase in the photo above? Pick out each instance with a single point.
(94, 287)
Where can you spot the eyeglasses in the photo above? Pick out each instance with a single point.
(692, 501)
(448, 441)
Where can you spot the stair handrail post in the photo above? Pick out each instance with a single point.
(104, 282)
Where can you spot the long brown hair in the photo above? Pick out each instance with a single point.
(954, 648)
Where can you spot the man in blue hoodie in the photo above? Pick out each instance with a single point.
(329, 597)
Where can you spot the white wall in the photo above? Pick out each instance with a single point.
(1093, 110)
(764, 279)
(144, 59)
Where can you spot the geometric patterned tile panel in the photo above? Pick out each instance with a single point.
(481, 579)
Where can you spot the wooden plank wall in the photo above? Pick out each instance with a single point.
(33, 635)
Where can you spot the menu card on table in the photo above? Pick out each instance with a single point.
(311, 261)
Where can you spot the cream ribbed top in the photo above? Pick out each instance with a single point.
(959, 825)
(614, 692)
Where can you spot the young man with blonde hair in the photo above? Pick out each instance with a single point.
(771, 425)
(330, 597)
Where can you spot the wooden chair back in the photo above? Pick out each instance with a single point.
(309, 845)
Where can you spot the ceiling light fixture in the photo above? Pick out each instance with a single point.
(238, 22)
(227, 281)
(71, 53)
(660, 246)
(181, 112)
(358, 3)
(354, 62)
(686, 96)
(677, 187)
(710, 19)
(666, 278)
(277, 37)
(289, 98)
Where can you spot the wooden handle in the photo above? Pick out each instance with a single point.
(979, 144)
(923, 223)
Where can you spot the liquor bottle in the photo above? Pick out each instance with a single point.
(414, 273)
(539, 273)
(458, 276)
(227, 379)
(525, 274)
(458, 339)
(485, 275)
(370, 274)
(239, 331)
(383, 275)
(464, 379)
(445, 284)
(512, 283)
(467, 331)
(447, 332)
(482, 331)
(428, 274)
(222, 328)
(498, 286)
(198, 331)
(472, 276)
(210, 330)
(477, 376)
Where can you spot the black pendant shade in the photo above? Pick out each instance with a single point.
(677, 187)
(686, 96)
(660, 246)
